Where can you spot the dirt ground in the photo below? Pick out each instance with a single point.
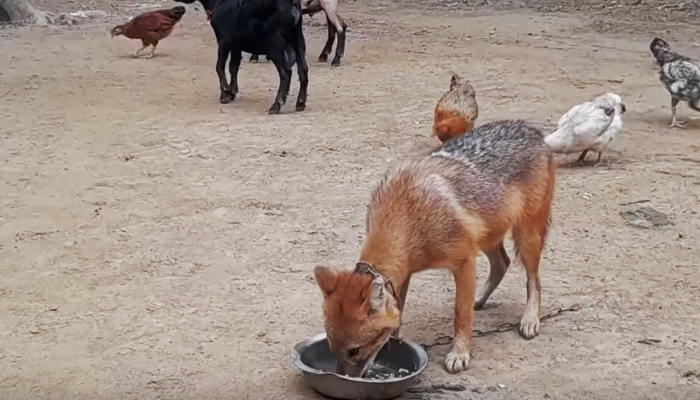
(156, 244)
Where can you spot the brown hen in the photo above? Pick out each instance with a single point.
(150, 27)
(456, 111)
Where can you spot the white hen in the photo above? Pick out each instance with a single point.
(589, 126)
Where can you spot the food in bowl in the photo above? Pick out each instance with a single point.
(394, 370)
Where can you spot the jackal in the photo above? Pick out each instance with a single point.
(439, 211)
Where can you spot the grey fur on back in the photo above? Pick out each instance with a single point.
(478, 168)
(502, 150)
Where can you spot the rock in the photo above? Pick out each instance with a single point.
(65, 19)
(645, 217)
(89, 14)
(220, 213)
(690, 374)
(74, 18)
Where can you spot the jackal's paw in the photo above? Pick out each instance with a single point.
(457, 362)
(529, 326)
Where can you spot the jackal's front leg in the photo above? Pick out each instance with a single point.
(458, 358)
(403, 291)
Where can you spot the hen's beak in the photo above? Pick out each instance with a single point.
(624, 109)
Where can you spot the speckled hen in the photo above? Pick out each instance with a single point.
(680, 75)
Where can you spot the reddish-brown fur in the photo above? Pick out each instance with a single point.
(414, 225)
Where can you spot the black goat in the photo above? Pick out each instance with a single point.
(269, 27)
(336, 26)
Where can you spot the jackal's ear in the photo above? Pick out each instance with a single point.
(377, 299)
(454, 81)
(327, 279)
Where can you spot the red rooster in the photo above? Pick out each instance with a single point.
(150, 27)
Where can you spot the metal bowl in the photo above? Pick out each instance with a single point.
(315, 360)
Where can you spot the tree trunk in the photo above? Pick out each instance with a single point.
(22, 11)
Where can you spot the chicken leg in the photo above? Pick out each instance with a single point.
(600, 154)
(153, 51)
(136, 55)
(675, 123)
(581, 161)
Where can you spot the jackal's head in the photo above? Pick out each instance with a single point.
(361, 312)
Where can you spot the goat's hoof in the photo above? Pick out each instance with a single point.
(226, 97)
(275, 109)
(253, 58)
(301, 106)
(323, 57)
(336, 62)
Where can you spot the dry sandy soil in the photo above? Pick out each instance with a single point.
(158, 245)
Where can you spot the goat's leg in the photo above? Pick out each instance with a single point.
(302, 70)
(233, 66)
(226, 95)
(329, 43)
(285, 74)
(340, 28)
